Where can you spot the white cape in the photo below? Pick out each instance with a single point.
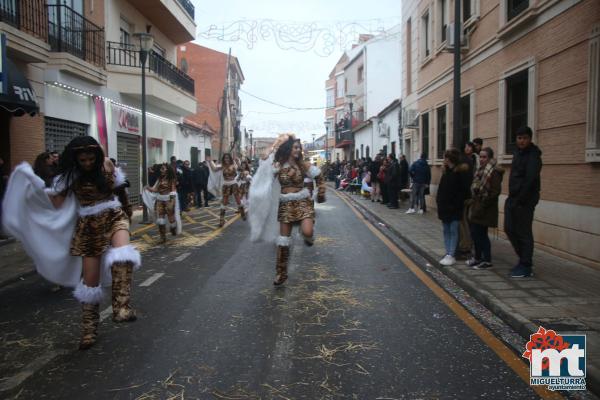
(149, 199)
(264, 202)
(215, 182)
(44, 231)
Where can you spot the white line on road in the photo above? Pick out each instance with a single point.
(181, 257)
(152, 279)
(105, 313)
(30, 369)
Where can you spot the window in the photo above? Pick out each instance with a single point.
(368, 152)
(408, 57)
(467, 10)
(394, 148)
(184, 65)
(356, 155)
(592, 153)
(362, 147)
(330, 98)
(385, 150)
(425, 134)
(516, 107)
(425, 36)
(58, 132)
(125, 30)
(515, 7)
(361, 73)
(441, 132)
(465, 121)
(443, 20)
(340, 86)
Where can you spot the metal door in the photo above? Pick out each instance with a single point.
(128, 157)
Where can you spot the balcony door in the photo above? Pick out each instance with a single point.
(66, 26)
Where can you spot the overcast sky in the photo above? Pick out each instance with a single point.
(287, 76)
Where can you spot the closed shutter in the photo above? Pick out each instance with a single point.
(59, 132)
(128, 157)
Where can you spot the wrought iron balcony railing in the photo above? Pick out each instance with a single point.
(70, 32)
(189, 7)
(29, 16)
(129, 56)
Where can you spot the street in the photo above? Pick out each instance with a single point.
(352, 322)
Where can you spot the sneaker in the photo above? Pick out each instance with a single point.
(447, 260)
(471, 262)
(521, 271)
(410, 211)
(483, 265)
(420, 212)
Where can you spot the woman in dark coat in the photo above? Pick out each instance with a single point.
(483, 208)
(452, 192)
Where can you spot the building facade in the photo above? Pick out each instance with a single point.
(83, 63)
(219, 77)
(523, 63)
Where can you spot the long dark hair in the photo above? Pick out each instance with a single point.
(223, 158)
(284, 152)
(42, 169)
(71, 173)
(170, 172)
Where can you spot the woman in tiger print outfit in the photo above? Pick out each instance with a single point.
(296, 205)
(230, 184)
(166, 189)
(101, 231)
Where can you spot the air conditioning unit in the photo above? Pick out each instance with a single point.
(384, 130)
(464, 42)
(410, 118)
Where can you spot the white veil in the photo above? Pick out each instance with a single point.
(264, 202)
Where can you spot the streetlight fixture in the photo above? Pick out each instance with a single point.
(146, 41)
(251, 131)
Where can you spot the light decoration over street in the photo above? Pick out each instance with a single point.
(321, 37)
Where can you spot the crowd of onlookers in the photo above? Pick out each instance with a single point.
(466, 198)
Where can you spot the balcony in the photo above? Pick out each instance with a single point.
(70, 32)
(343, 134)
(167, 86)
(174, 18)
(25, 23)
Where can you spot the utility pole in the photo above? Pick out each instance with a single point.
(456, 134)
(224, 105)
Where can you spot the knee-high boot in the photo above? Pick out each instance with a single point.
(222, 217)
(122, 261)
(162, 229)
(90, 298)
(242, 212)
(283, 256)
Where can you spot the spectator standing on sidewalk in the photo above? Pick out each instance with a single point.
(403, 172)
(382, 181)
(452, 192)
(199, 179)
(483, 207)
(523, 196)
(375, 184)
(465, 243)
(187, 185)
(393, 181)
(421, 178)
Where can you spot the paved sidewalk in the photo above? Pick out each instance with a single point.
(562, 295)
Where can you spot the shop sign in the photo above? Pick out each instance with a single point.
(129, 121)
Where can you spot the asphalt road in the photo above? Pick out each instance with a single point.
(352, 322)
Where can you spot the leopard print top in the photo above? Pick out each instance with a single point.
(229, 172)
(164, 185)
(290, 176)
(88, 194)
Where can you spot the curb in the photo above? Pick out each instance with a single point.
(518, 322)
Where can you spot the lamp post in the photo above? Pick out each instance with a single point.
(326, 141)
(251, 145)
(350, 97)
(146, 43)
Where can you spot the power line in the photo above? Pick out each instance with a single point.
(281, 105)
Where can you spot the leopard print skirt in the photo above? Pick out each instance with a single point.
(293, 211)
(243, 189)
(93, 232)
(230, 190)
(165, 208)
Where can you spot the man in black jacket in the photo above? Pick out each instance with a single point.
(523, 196)
(200, 181)
(392, 180)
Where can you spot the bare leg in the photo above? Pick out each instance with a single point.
(307, 229)
(222, 214)
(241, 210)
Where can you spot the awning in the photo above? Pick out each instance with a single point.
(17, 97)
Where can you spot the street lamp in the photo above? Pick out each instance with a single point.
(350, 97)
(146, 42)
(326, 140)
(251, 145)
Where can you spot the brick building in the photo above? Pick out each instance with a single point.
(530, 63)
(215, 74)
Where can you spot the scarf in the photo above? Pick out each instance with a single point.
(480, 185)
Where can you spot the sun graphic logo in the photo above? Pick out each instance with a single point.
(556, 361)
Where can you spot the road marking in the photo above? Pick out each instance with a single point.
(107, 312)
(30, 369)
(152, 279)
(502, 350)
(181, 257)
(189, 219)
(143, 229)
(147, 238)
(213, 214)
